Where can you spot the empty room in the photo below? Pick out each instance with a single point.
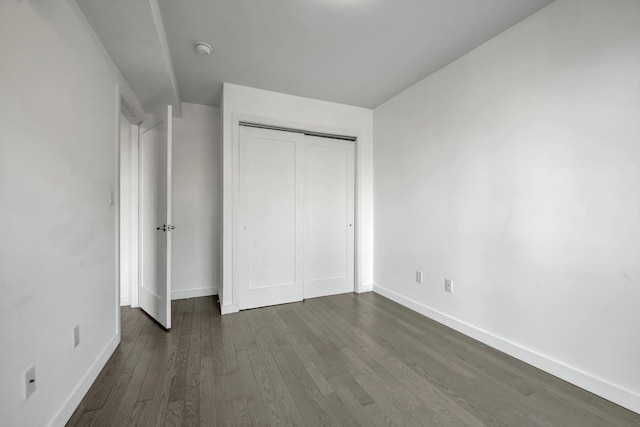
(319, 213)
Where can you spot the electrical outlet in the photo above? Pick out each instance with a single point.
(76, 336)
(419, 276)
(29, 381)
(448, 285)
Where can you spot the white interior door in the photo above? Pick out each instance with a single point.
(154, 291)
(269, 217)
(328, 216)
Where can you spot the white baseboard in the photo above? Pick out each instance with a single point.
(365, 287)
(602, 388)
(229, 308)
(194, 293)
(74, 399)
(125, 301)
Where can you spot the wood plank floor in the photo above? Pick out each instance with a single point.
(344, 360)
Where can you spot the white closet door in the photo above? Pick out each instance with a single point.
(270, 238)
(328, 216)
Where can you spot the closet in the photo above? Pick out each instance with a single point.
(295, 223)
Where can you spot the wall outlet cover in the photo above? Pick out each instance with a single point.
(448, 285)
(76, 336)
(29, 381)
(419, 276)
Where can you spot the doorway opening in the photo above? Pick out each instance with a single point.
(144, 238)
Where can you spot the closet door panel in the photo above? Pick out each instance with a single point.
(328, 216)
(270, 229)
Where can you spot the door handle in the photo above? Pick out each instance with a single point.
(166, 227)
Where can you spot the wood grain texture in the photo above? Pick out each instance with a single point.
(344, 360)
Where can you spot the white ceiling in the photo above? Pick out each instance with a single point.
(133, 34)
(358, 52)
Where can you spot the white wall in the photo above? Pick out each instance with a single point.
(197, 176)
(515, 171)
(255, 105)
(58, 143)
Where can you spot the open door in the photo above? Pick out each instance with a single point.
(154, 292)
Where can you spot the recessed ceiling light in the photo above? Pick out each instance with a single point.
(203, 48)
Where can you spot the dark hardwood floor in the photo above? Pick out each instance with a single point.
(344, 360)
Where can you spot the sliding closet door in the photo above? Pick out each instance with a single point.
(270, 237)
(328, 216)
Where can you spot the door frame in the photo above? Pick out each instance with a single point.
(315, 128)
(135, 218)
(130, 217)
(125, 105)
